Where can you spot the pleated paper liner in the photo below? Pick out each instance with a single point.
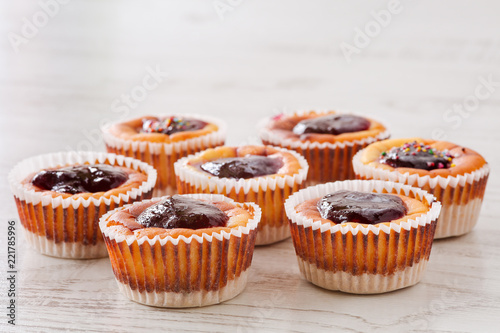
(363, 259)
(461, 196)
(162, 156)
(183, 271)
(269, 193)
(68, 228)
(327, 161)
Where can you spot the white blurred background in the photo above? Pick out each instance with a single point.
(243, 60)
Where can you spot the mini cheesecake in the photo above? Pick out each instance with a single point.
(181, 251)
(162, 140)
(362, 237)
(261, 174)
(456, 175)
(328, 140)
(60, 198)
(163, 129)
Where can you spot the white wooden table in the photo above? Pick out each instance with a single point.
(73, 70)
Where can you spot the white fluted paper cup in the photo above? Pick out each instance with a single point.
(461, 194)
(328, 159)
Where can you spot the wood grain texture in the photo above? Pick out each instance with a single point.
(265, 57)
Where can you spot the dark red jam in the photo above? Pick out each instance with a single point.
(80, 179)
(171, 125)
(243, 167)
(368, 208)
(332, 124)
(418, 156)
(182, 212)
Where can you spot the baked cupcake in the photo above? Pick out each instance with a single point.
(362, 237)
(160, 141)
(181, 251)
(60, 198)
(328, 140)
(262, 174)
(455, 175)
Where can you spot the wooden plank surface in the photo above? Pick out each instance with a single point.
(63, 78)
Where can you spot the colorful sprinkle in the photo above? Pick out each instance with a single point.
(171, 125)
(417, 155)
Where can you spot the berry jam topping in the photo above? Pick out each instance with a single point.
(171, 125)
(243, 167)
(368, 208)
(418, 156)
(182, 212)
(332, 124)
(80, 179)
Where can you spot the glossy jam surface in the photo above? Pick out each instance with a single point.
(368, 208)
(332, 124)
(243, 167)
(418, 156)
(182, 212)
(80, 179)
(171, 125)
